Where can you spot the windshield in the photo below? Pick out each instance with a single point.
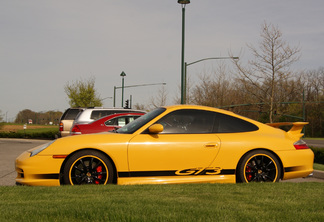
(139, 122)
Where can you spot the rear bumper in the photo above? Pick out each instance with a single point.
(64, 133)
(297, 163)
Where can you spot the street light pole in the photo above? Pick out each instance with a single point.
(122, 75)
(183, 77)
(114, 96)
(200, 60)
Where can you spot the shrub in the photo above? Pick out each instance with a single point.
(319, 155)
(1, 125)
(31, 134)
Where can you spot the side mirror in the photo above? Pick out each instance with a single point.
(156, 128)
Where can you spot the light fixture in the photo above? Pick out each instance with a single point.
(183, 2)
(122, 75)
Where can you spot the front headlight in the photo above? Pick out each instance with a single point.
(37, 151)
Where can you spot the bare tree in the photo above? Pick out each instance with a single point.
(214, 89)
(314, 101)
(41, 118)
(160, 99)
(189, 96)
(270, 65)
(140, 107)
(1, 116)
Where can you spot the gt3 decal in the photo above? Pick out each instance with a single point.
(199, 171)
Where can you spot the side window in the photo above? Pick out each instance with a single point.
(230, 124)
(71, 114)
(111, 122)
(97, 114)
(130, 119)
(188, 122)
(121, 121)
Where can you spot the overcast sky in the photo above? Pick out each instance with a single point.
(46, 44)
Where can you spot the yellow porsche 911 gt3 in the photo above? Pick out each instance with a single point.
(175, 144)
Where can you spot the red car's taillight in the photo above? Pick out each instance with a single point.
(76, 131)
(300, 144)
(61, 126)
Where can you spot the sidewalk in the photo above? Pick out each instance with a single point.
(318, 174)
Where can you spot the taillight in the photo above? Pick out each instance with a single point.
(300, 144)
(61, 126)
(76, 131)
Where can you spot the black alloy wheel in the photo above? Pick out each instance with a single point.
(88, 167)
(259, 166)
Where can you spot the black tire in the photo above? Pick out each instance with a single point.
(259, 166)
(88, 167)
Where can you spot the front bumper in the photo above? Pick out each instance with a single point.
(38, 170)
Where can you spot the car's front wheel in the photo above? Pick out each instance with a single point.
(259, 166)
(88, 167)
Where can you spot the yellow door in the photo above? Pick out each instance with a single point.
(172, 152)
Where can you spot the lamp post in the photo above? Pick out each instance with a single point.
(122, 75)
(115, 96)
(183, 77)
(185, 72)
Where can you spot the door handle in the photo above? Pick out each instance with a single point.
(211, 145)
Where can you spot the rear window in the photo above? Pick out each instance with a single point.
(70, 114)
(230, 124)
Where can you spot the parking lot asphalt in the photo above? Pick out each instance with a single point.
(315, 143)
(10, 149)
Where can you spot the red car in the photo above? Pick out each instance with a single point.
(105, 124)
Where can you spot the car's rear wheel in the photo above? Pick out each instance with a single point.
(88, 167)
(259, 166)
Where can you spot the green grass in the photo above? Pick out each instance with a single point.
(318, 166)
(313, 138)
(39, 130)
(194, 202)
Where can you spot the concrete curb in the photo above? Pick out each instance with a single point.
(22, 140)
(318, 174)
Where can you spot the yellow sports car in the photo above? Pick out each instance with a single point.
(175, 144)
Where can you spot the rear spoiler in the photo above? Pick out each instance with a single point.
(295, 129)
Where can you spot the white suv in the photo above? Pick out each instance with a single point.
(67, 119)
(90, 114)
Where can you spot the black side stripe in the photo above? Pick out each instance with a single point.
(53, 176)
(292, 169)
(165, 173)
